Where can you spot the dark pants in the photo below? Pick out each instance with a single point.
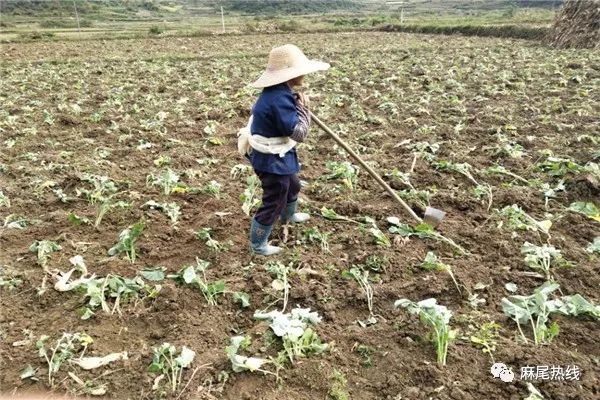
(278, 190)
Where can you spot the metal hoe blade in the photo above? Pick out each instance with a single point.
(433, 216)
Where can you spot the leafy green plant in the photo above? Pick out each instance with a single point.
(380, 238)
(167, 361)
(423, 230)
(43, 249)
(517, 219)
(172, 210)
(299, 340)
(215, 245)
(102, 194)
(542, 258)
(63, 350)
(507, 147)
(425, 150)
(432, 263)
(241, 363)
(594, 247)
(438, 318)
(195, 275)
(4, 200)
(9, 282)
(465, 170)
(250, 197)
(168, 180)
(330, 214)
(557, 166)
(314, 235)
(14, 221)
(487, 338)
(339, 386)
(534, 309)
(212, 188)
(588, 209)
(362, 278)
(239, 170)
(126, 243)
(113, 288)
(281, 282)
(342, 170)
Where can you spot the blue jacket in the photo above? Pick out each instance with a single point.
(274, 114)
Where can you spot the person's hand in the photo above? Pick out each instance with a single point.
(303, 100)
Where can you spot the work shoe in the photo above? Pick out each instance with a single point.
(289, 214)
(259, 236)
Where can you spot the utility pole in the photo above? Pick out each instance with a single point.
(401, 4)
(222, 20)
(77, 16)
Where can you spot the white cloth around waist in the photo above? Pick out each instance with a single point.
(274, 145)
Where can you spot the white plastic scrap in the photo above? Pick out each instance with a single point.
(291, 324)
(88, 363)
(63, 285)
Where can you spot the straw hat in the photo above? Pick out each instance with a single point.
(287, 62)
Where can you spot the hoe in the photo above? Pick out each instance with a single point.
(432, 215)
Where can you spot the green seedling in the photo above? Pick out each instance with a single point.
(314, 235)
(362, 278)
(299, 340)
(65, 349)
(432, 263)
(594, 247)
(342, 170)
(465, 170)
(239, 169)
(167, 361)
(330, 214)
(43, 249)
(126, 243)
(4, 200)
(339, 386)
(280, 283)
(380, 238)
(14, 221)
(542, 258)
(250, 197)
(556, 166)
(423, 230)
(195, 275)
(212, 188)
(172, 210)
(169, 181)
(534, 309)
(216, 246)
(103, 194)
(438, 318)
(517, 219)
(100, 291)
(241, 363)
(588, 209)
(487, 338)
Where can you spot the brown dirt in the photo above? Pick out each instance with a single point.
(403, 362)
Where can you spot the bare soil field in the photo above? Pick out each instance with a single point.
(471, 126)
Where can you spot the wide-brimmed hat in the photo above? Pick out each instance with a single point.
(287, 62)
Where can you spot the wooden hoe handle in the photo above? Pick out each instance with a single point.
(370, 170)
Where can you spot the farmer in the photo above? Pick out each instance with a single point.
(280, 119)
